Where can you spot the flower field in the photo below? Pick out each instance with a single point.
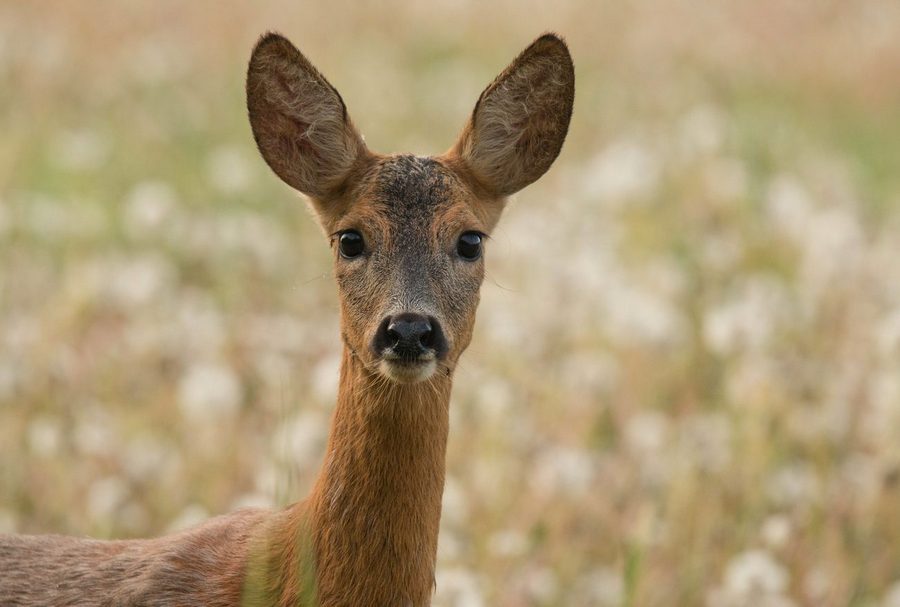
(684, 385)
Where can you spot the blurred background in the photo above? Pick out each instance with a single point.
(684, 387)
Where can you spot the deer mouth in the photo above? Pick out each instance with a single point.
(406, 371)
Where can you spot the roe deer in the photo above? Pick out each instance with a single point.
(407, 234)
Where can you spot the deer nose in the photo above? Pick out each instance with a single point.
(409, 336)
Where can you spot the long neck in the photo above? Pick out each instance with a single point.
(375, 508)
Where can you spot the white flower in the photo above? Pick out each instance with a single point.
(105, 496)
(325, 377)
(705, 441)
(7, 521)
(209, 391)
(602, 587)
(886, 334)
(44, 434)
(789, 206)
(563, 469)
(776, 531)
(634, 313)
(302, 437)
(794, 485)
(279, 332)
(93, 433)
(833, 243)
(454, 505)
(148, 207)
(509, 542)
(6, 221)
(748, 319)
(645, 432)
(228, 170)
(137, 280)
(860, 476)
(56, 219)
(193, 514)
(199, 326)
(624, 171)
(817, 584)
(458, 587)
(252, 500)
(495, 397)
(702, 131)
(892, 596)
(80, 150)
(153, 61)
(8, 379)
(725, 179)
(754, 573)
(146, 457)
(542, 584)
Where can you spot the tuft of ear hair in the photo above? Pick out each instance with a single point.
(299, 120)
(519, 124)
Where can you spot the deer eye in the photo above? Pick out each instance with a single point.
(351, 244)
(469, 246)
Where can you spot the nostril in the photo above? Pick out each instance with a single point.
(427, 338)
(393, 336)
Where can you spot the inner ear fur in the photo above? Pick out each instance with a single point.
(519, 124)
(299, 120)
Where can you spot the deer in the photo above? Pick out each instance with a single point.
(408, 235)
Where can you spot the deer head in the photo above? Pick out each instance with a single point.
(408, 232)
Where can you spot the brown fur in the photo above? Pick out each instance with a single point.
(367, 535)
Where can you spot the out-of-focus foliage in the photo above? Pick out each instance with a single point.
(684, 387)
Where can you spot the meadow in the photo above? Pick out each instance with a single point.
(684, 386)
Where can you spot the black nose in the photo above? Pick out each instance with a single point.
(409, 336)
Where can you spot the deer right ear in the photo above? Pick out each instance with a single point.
(299, 120)
(521, 119)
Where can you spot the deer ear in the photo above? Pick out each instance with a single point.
(299, 120)
(521, 119)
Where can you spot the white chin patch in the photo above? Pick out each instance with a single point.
(405, 373)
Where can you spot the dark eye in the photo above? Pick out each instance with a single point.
(469, 246)
(351, 244)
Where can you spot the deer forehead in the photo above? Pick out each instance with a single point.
(411, 203)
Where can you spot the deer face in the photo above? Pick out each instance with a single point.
(408, 232)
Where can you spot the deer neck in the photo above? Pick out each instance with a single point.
(375, 508)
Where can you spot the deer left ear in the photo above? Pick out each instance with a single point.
(299, 120)
(521, 119)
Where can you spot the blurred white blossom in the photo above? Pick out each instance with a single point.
(301, 437)
(134, 281)
(794, 485)
(752, 578)
(626, 170)
(105, 496)
(601, 587)
(148, 208)
(892, 596)
(645, 433)
(776, 531)
(193, 514)
(7, 521)
(229, 169)
(458, 587)
(325, 377)
(44, 435)
(209, 391)
(80, 150)
(507, 543)
(701, 131)
(455, 506)
(748, 319)
(566, 470)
